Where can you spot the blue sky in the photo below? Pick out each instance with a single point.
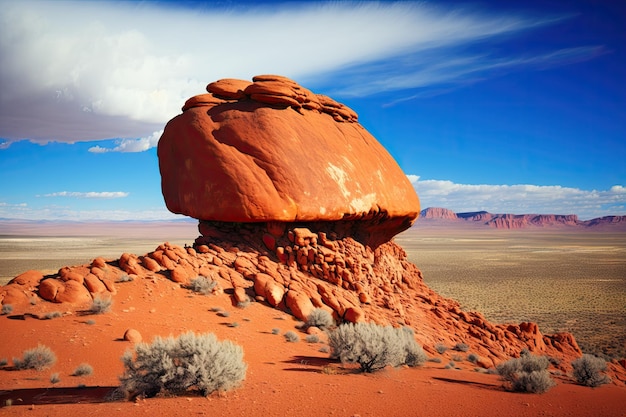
(516, 106)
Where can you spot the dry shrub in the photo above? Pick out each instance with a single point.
(177, 365)
(588, 370)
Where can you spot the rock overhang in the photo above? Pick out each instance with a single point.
(271, 150)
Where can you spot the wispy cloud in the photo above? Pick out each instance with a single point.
(521, 198)
(79, 71)
(91, 194)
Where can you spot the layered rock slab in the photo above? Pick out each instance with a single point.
(273, 151)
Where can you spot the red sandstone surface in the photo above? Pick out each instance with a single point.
(271, 150)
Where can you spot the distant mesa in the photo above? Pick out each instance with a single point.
(271, 150)
(521, 221)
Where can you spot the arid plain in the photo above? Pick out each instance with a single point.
(569, 281)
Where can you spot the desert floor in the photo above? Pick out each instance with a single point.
(294, 379)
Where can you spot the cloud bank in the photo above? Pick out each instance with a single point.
(81, 71)
(90, 194)
(520, 199)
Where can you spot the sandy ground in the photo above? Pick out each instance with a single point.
(283, 378)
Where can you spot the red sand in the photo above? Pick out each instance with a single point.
(286, 379)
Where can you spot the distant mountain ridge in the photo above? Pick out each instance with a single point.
(521, 221)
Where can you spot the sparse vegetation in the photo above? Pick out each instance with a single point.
(54, 378)
(90, 322)
(4, 362)
(441, 348)
(177, 365)
(223, 313)
(275, 330)
(324, 349)
(461, 347)
(291, 336)
(450, 365)
(38, 358)
(320, 318)
(233, 324)
(588, 370)
(7, 309)
(202, 285)
(101, 305)
(528, 373)
(83, 369)
(472, 357)
(125, 278)
(373, 347)
(312, 338)
(52, 315)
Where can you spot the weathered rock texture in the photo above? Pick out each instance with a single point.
(271, 150)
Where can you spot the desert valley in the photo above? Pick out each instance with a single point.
(329, 297)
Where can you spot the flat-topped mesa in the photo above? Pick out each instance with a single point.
(273, 151)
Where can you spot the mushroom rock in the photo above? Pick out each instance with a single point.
(272, 151)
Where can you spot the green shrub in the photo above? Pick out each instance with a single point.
(202, 285)
(373, 347)
(320, 318)
(83, 369)
(38, 358)
(528, 373)
(588, 370)
(176, 365)
(100, 305)
(292, 337)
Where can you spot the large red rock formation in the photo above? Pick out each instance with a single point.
(273, 151)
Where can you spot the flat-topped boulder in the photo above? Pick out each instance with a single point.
(270, 150)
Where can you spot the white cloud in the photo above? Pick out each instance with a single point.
(131, 145)
(91, 194)
(100, 70)
(521, 198)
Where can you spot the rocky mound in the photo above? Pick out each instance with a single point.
(296, 270)
(271, 150)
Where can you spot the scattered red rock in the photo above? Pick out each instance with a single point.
(132, 335)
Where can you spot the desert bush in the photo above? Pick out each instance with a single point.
(4, 361)
(223, 313)
(472, 357)
(83, 369)
(100, 305)
(52, 315)
(441, 348)
(312, 338)
(373, 347)
(528, 373)
(588, 370)
(292, 337)
(435, 360)
(176, 365)
(320, 318)
(54, 378)
(7, 309)
(275, 330)
(233, 324)
(324, 349)
(38, 358)
(202, 285)
(450, 365)
(125, 278)
(461, 347)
